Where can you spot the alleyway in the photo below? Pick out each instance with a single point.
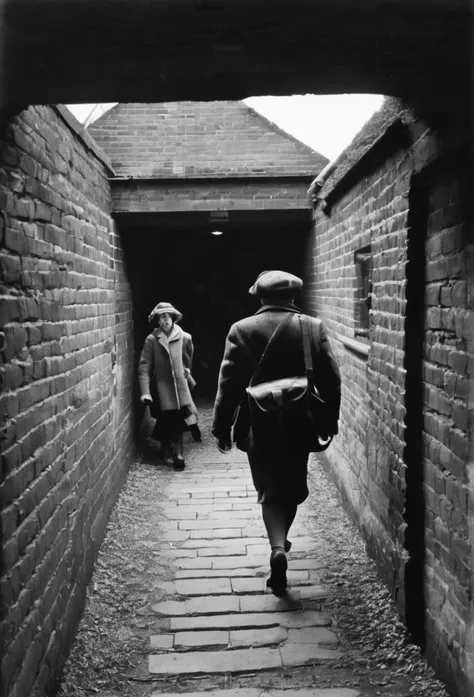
(178, 601)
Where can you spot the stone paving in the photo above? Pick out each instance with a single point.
(216, 615)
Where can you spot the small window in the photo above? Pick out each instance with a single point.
(363, 292)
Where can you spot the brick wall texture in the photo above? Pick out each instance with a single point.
(66, 375)
(211, 195)
(367, 457)
(199, 139)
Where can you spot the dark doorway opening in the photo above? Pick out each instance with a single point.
(206, 276)
(415, 508)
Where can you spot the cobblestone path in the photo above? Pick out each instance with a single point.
(216, 615)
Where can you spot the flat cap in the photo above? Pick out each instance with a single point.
(269, 282)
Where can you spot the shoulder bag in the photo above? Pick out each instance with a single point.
(291, 408)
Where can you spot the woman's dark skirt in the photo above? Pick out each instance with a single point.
(279, 471)
(169, 423)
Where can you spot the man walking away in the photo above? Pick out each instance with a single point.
(277, 462)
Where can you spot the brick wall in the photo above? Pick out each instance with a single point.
(199, 139)
(448, 373)
(372, 459)
(370, 213)
(66, 376)
(210, 195)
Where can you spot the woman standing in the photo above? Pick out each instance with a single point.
(164, 371)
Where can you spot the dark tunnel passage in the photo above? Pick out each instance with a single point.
(207, 277)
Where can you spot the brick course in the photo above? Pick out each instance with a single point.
(367, 457)
(231, 195)
(66, 378)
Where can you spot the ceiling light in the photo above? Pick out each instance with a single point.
(217, 232)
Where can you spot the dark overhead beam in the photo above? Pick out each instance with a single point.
(66, 51)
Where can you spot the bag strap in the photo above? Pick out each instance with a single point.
(278, 331)
(306, 332)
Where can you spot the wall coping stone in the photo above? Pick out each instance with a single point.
(214, 177)
(78, 129)
(358, 347)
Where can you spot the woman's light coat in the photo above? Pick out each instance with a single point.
(164, 368)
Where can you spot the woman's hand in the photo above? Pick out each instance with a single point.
(187, 373)
(146, 399)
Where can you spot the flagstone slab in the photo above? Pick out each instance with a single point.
(311, 592)
(312, 635)
(181, 513)
(178, 553)
(212, 542)
(213, 605)
(259, 692)
(268, 603)
(257, 637)
(195, 563)
(206, 586)
(212, 485)
(170, 607)
(162, 641)
(208, 662)
(291, 620)
(246, 561)
(207, 524)
(248, 585)
(176, 535)
(216, 534)
(212, 573)
(226, 533)
(214, 513)
(298, 655)
(216, 507)
(201, 639)
(193, 502)
(202, 495)
(231, 548)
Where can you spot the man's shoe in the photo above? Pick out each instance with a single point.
(278, 565)
(178, 463)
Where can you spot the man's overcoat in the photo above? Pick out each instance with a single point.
(271, 463)
(245, 344)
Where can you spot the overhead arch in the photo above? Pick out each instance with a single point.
(66, 51)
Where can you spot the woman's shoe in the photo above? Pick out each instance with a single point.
(278, 565)
(196, 433)
(178, 463)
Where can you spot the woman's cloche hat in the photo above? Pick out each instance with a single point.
(163, 307)
(269, 282)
